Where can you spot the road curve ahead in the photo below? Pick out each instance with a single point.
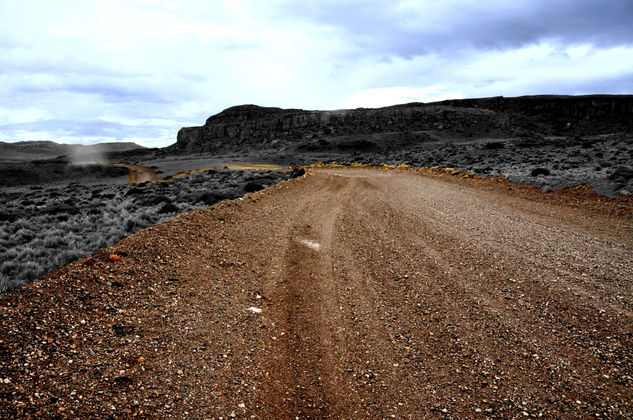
(137, 174)
(353, 294)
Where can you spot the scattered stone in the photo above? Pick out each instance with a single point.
(311, 244)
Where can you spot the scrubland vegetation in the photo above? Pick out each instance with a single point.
(46, 227)
(45, 172)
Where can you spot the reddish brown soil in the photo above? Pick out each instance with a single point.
(382, 294)
(137, 174)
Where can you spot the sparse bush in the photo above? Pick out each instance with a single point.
(101, 243)
(67, 255)
(12, 254)
(32, 270)
(540, 171)
(621, 173)
(253, 186)
(9, 268)
(7, 216)
(21, 223)
(168, 208)
(494, 145)
(132, 224)
(63, 208)
(22, 236)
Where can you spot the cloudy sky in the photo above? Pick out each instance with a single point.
(89, 70)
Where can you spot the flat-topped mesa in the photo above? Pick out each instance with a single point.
(252, 127)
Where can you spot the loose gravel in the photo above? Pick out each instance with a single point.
(427, 297)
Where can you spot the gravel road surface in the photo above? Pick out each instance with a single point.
(138, 174)
(341, 294)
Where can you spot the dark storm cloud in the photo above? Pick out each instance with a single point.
(407, 31)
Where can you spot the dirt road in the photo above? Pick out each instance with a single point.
(343, 294)
(137, 174)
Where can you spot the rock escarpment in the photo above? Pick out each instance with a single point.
(252, 128)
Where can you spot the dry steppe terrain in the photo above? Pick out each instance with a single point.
(44, 225)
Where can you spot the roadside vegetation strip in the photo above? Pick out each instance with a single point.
(46, 227)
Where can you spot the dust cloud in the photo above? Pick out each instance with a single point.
(80, 154)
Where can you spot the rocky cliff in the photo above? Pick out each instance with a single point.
(252, 128)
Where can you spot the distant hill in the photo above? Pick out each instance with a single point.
(254, 128)
(38, 150)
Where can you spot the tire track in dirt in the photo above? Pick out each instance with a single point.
(306, 372)
(302, 371)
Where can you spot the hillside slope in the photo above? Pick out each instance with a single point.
(34, 150)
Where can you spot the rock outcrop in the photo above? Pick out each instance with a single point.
(250, 127)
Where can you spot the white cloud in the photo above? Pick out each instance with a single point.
(375, 98)
(24, 115)
(543, 68)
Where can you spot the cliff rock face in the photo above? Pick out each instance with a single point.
(250, 127)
